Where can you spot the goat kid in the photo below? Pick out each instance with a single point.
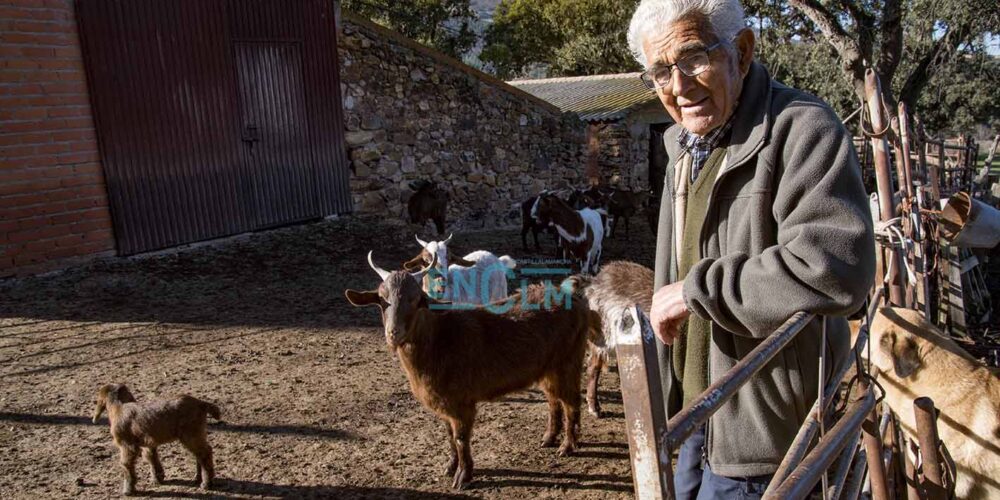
(454, 359)
(145, 426)
(478, 278)
(530, 224)
(914, 359)
(610, 295)
(581, 231)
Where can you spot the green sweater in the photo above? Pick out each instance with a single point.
(691, 350)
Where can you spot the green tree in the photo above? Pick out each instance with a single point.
(445, 25)
(914, 45)
(560, 37)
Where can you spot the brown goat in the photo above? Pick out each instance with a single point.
(455, 359)
(618, 287)
(148, 425)
(428, 202)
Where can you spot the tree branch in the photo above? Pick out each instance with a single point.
(892, 41)
(940, 53)
(851, 56)
(865, 24)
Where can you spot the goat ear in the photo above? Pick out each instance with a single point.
(357, 298)
(462, 262)
(905, 357)
(414, 264)
(123, 394)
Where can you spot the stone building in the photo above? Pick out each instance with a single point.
(413, 113)
(625, 124)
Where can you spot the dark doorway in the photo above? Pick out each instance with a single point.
(657, 157)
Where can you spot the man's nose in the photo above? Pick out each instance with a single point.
(679, 82)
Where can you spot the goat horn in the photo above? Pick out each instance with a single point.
(449, 238)
(422, 242)
(419, 275)
(382, 273)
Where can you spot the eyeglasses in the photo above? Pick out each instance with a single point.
(692, 65)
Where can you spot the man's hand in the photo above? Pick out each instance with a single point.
(668, 312)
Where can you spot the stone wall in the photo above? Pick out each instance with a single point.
(412, 113)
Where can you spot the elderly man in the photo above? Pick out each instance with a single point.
(763, 214)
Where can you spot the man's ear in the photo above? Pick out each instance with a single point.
(745, 43)
(362, 298)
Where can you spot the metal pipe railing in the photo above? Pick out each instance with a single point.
(800, 445)
(844, 466)
(873, 448)
(802, 480)
(704, 406)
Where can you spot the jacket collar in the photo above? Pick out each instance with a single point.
(751, 123)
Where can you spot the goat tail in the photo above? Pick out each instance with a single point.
(508, 261)
(212, 410)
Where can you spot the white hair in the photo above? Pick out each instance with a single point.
(725, 17)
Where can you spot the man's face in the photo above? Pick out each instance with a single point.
(704, 102)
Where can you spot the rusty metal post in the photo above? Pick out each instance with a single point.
(912, 481)
(705, 405)
(645, 415)
(883, 175)
(802, 480)
(943, 166)
(925, 415)
(873, 448)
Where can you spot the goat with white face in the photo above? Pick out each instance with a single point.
(913, 359)
(479, 277)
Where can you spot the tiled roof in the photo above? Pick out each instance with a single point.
(594, 98)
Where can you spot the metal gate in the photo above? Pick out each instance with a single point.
(214, 117)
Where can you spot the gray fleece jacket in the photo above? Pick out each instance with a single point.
(788, 229)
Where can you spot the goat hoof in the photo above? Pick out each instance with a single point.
(567, 450)
(128, 492)
(595, 411)
(462, 479)
(452, 467)
(206, 485)
(549, 441)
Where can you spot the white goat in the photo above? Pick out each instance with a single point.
(913, 359)
(479, 277)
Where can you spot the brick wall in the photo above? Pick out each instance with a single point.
(53, 201)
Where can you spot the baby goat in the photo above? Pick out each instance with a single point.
(619, 286)
(455, 359)
(148, 425)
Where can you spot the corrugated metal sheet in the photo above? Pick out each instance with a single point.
(172, 106)
(595, 98)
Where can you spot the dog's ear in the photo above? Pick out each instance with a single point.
(903, 351)
(906, 357)
(367, 298)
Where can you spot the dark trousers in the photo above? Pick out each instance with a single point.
(694, 479)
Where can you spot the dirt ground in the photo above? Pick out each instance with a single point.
(314, 405)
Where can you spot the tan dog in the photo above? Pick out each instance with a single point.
(914, 359)
(148, 425)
